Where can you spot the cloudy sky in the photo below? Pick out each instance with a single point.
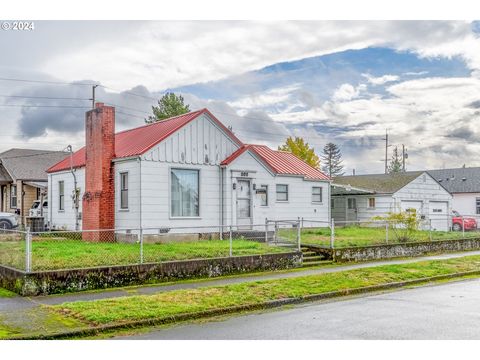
(341, 82)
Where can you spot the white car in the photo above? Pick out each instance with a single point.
(8, 220)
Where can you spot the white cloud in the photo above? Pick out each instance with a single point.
(169, 54)
(381, 79)
(348, 92)
(268, 98)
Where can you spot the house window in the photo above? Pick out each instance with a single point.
(185, 193)
(352, 203)
(282, 192)
(317, 194)
(61, 195)
(263, 195)
(39, 193)
(13, 196)
(124, 190)
(477, 202)
(371, 203)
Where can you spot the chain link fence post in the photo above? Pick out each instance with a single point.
(231, 241)
(141, 247)
(28, 251)
(299, 234)
(332, 233)
(386, 232)
(430, 229)
(275, 229)
(266, 230)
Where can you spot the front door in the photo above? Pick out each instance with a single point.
(244, 203)
(351, 209)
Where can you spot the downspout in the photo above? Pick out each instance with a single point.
(329, 203)
(50, 210)
(222, 195)
(140, 191)
(75, 195)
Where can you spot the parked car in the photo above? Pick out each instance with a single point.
(36, 210)
(8, 220)
(459, 222)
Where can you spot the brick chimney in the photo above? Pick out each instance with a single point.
(99, 196)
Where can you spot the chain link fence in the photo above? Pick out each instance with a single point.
(63, 250)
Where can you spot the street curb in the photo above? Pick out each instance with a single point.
(240, 308)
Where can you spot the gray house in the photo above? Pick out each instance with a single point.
(464, 185)
(362, 197)
(23, 177)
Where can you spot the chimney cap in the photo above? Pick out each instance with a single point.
(99, 105)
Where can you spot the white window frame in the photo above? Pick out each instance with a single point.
(198, 216)
(321, 195)
(283, 192)
(122, 190)
(61, 195)
(12, 192)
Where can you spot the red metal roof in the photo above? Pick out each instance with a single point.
(139, 140)
(281, 162)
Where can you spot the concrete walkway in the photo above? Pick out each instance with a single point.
(17, 303)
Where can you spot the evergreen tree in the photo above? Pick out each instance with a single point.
(395, 165)
(301, 149)
(168, 106)
(332, 160)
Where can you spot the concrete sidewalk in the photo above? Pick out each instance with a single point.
(19, 302)
(23, 315)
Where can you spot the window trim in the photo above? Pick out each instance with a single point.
(276, 193)
(353, 200)
(477, 205)
(121, 174)
(321, 195)
(174, 217)
(374, 203)
(13, 197)
(61, 196)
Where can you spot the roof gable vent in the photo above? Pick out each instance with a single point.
(464, 179)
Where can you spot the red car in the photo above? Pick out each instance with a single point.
(458, 223)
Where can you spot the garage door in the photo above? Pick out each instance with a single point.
(438, 214)
(411, 205)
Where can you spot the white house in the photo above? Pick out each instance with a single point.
(362, 197)
(189, 170)
(464, 185)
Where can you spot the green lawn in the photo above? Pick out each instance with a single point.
(164, 305)
(6, 293)
(362, 236)
(61, 253)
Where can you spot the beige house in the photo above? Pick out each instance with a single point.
(23, 178)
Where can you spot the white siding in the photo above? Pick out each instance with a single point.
(299, 202)
(465, 203)
(199, 142)
(64, 219)
(129, 218)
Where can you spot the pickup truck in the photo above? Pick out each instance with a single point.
(8, 220)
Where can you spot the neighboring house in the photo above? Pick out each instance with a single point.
(464, 185)
(362, 197)
(23, 178)
(189, 170)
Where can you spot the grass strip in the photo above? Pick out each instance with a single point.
(180, 303)
(4, 293)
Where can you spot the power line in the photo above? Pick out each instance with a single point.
(45, 106)
(46, 82)
(43, 97)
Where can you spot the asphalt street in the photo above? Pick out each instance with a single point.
(446, 311)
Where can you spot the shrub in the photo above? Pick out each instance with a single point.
(403, 223)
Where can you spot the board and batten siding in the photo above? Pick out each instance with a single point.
(128, 218)
(200, 145)
(64, 219)
(299, 202)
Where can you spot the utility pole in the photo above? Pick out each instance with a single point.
(93, 95)
(404, 156)
(386, 151)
